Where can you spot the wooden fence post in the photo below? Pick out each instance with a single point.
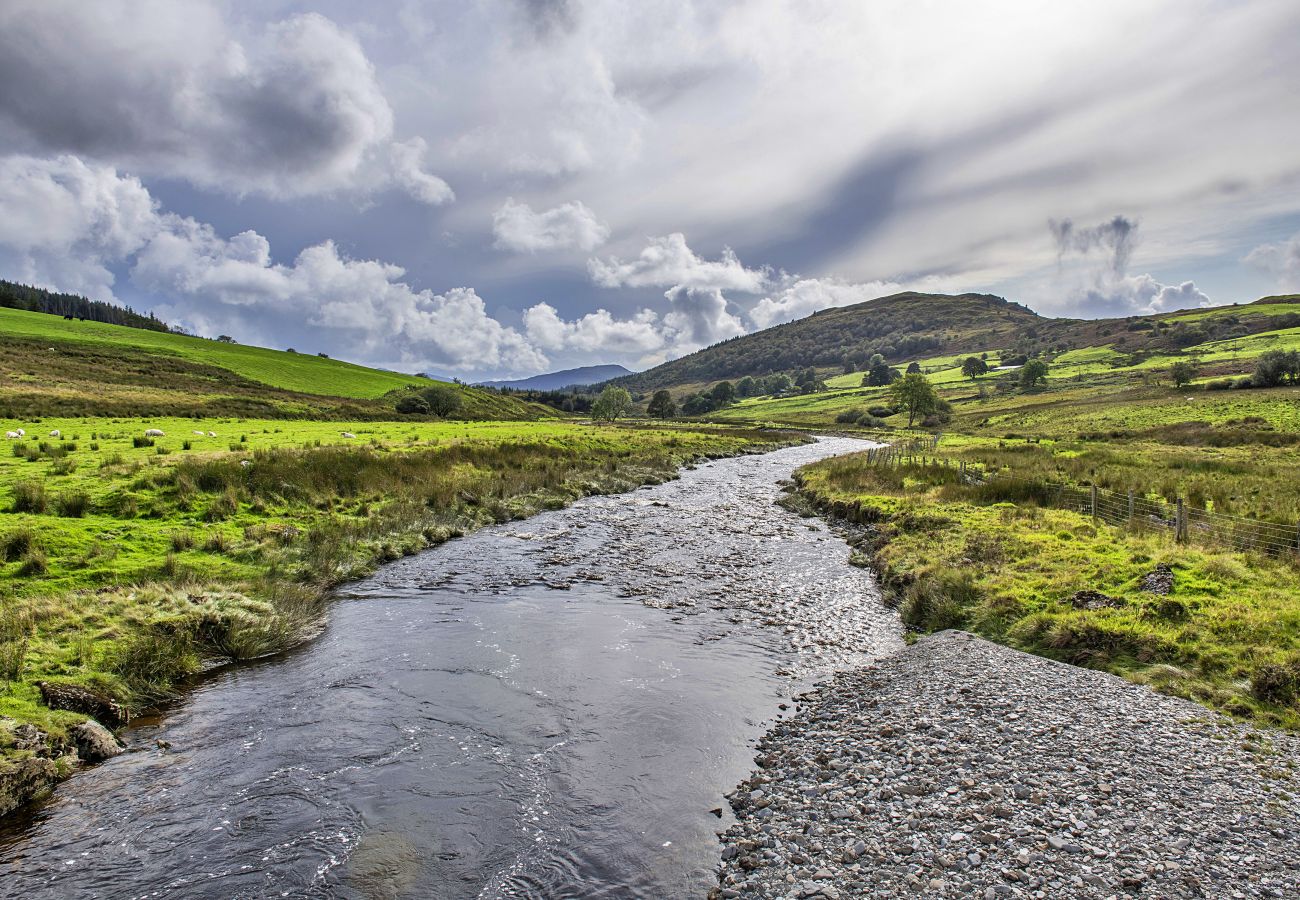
(1093, 498)
(1180, 522)
(1130, 506)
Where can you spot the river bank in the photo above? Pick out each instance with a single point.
(175, 561)
(958, 767)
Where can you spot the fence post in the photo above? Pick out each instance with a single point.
(1297, 538)
(1130, 506)
(1093, 498)
(1180, 522)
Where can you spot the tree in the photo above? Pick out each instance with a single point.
(974, 367)
(914, 393)
(612, 403)
(662, 406)
(413, 404)
(880, 375)
(1033, 374)
(225, 339)
(443, 399)
(913, 368)
(1182, 372)
(778, 384)
(723, 393)
(698, 405)
(1275, 367)
(748, 387)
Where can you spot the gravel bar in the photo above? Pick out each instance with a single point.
(961, 768)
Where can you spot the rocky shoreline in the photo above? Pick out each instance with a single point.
(961, 768)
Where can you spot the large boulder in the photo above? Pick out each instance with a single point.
(95, 742)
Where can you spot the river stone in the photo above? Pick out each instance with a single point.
(95, 742)
(80, 699)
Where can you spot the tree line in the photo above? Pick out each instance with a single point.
(74, 306)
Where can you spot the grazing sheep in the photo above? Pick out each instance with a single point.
(154, 432)
(56, 433)
(244, 462)
(212, 434)
(12, 435)
(348, 434)
(20, 432)
(199, 433)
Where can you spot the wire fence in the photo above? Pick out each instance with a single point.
(1184, 522)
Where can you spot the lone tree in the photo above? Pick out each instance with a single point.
(914, 393)
(1033, 374)
(880, 375)
(662, 406)
(913, 368)
(1182, 372)
(723, 393)
(612, 403)
(440, 400)
(973, 367)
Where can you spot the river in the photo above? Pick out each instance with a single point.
(547, 708)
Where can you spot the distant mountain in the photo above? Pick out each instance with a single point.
(555, 381)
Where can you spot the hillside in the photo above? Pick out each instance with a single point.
(910, 326)
(558, 381)
(52, 366)
(34, 299)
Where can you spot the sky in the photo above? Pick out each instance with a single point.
(507, 187)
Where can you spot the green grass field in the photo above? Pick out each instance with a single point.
(302, 372)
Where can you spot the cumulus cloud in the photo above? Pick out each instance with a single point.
(698, 317)
(570, 226)
(68, 223)
(799, 297)
(1281, 260)
(1093, 266)
(668, 262)
(290, 108)
(595, 332)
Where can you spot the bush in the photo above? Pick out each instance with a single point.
(72, 504)
(29, 497)
(848, 417)
(34, 563)
(139, 442)
(182, 540)
(1221, 384)
(880, 412)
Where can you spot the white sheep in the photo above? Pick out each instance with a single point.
(12, 435)
(348, 434)
(56, 433)
(245, 463)
(212, 434)
(21, 433)
(199, 433)
(154, 432)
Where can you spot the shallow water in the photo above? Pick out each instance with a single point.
(548, 708)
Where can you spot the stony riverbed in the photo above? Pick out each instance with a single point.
(959, 768)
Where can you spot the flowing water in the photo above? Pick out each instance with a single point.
(548, 708)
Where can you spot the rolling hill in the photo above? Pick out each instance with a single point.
(910, 326)
(53, 366)
(557, 381)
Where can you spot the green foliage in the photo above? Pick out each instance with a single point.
(29, 496)
(1183, 372)
(1033, 375)
(914, 393)
(1277, 367)
(613, 403)
(662, 405)
(973, 367)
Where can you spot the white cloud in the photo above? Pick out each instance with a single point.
(171, 87)
(668, 262)
(597, 334)
(570, 226)
(68, 222)
(1281, 260)
(698, 317)
(799, 297)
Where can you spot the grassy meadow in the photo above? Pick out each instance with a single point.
(955, 556)
(126, 562)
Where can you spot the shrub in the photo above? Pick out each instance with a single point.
(15, 630)
(223, 507)
(880, 412)
(848, 417)
(72, 504)
(217, 542)
(1220, 384)
(139, 442)
(182, 540)
(29, 497)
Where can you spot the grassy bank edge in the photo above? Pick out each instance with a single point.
(200, 623)
(1260, 685)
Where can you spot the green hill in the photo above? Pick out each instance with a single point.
(911, 326)
(53, 366)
